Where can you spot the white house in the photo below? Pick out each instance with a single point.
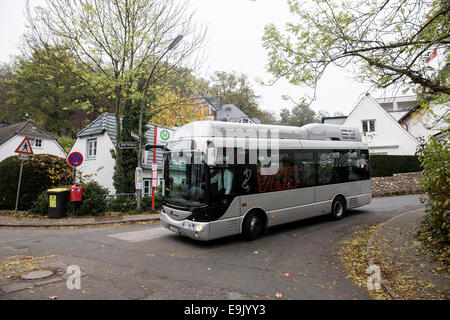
(96, 141)
(380, 127)
(42, 142)
(423, 123)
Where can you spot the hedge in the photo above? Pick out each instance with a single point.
(387, 165)
(40, 173)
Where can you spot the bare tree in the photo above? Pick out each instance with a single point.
(118, 40)
(122, 43)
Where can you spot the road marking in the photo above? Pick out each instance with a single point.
(142, 235)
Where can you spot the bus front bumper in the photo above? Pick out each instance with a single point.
(191, 229)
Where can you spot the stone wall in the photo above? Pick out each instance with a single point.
(399, 183)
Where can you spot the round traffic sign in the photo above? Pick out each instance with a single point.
(75, 159)
(165, 135)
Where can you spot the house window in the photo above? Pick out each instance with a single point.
(36, 142)
(368, 125)
(92, 148)
(147, 187)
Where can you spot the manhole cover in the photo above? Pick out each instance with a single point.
(34, 275)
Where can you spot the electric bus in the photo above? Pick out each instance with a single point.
(225, 178)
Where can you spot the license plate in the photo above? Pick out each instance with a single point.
(174, 229)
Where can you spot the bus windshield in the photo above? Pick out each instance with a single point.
(185, 180)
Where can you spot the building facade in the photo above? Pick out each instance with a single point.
(42, 142)
(96, 143)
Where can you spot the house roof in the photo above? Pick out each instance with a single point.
(26, 128)
(389, 115)
(106, 122)
(229, 112)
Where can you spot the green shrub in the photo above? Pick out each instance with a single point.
(40, 205)
(387, 165)
(147, 202)
(435, 161)
(94, 202)
(121, 204)
(40, 173)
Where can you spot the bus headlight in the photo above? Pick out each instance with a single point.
(198, 227)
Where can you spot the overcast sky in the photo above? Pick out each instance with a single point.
(235, 30)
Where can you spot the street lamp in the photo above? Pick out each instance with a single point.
(141, 116)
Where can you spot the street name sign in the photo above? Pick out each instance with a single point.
(128, 145)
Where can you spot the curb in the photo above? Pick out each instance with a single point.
(87, 224)
(388, 289)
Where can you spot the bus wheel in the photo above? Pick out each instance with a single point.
(338, 208)
(253, 226)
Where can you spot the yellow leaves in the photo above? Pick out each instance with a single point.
(172, 110)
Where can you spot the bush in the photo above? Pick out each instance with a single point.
(94, 201)
(435, 161)
(122, 204)
(147, 202)
(387, 165)
(128, 204)
(40, 205)
(40, 173)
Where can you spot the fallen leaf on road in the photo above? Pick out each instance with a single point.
(288, 274)
(53, 297)
(255, 252)
(279, 295)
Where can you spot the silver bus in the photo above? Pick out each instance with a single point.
(224, 178)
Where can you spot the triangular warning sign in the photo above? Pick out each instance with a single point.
(25, 147)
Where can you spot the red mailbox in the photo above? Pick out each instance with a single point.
(76, 193)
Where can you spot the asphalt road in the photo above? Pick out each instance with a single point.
(298, 260)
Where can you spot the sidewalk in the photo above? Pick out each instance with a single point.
(408, 271)
(13, 222)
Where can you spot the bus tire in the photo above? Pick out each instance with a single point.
(253, 226)
(338, 208)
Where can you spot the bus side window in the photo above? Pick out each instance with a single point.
(306, 168)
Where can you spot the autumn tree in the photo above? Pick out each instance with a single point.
(388, 43)
(121, 42)
(236, 89)
(43, 88)
(173, 110)
(8, 111)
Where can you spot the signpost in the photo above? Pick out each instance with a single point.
(75, 159)
(139, 178)
(128, 145)
(135, 136)
(24, 150)
(154, 175)
(154, 167)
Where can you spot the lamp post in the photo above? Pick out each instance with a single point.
(141, 116)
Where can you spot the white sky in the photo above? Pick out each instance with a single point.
(235, 30)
